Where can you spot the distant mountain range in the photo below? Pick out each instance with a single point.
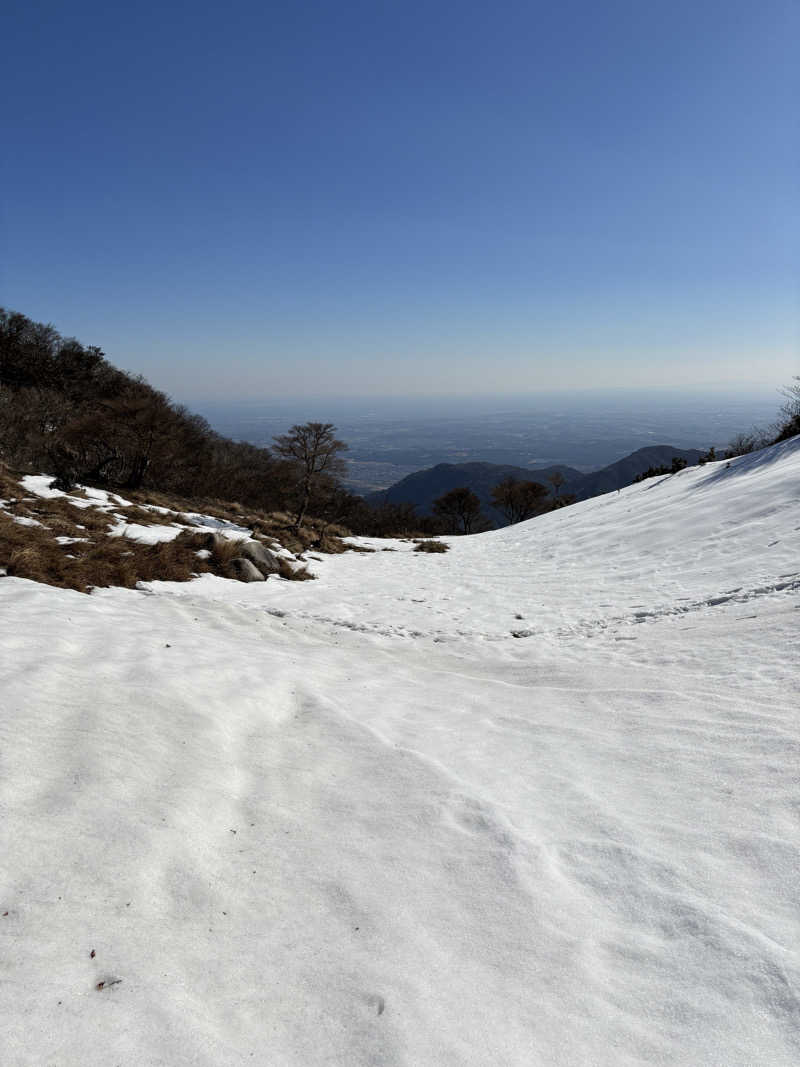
(423, 487)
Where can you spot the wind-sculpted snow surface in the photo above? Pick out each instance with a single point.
(533, 801)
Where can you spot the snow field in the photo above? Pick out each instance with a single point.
(357, 821)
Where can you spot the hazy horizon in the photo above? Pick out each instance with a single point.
(391, 437)
(490, 400)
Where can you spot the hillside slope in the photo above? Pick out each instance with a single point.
(618, 475)
(529, 802)
(423, 487)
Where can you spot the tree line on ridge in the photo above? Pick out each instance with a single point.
(66, 409)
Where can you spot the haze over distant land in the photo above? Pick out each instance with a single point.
(407, 199)
(391, 437)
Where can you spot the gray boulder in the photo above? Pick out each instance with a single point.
(265, 560)
(245, 571)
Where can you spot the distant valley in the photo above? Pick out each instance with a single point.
(423, 487)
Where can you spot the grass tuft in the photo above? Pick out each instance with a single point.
(294, 574)
(431, 546)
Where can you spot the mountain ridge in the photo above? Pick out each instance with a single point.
(423, 487)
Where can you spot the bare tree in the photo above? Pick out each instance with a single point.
(789, 424)
(556, 479)
(315, 450)
(748, 441)
(461, 508)
(517, 500)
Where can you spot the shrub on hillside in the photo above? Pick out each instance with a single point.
(677, 464)
(751, 441)
(431, 546)
(789, 425)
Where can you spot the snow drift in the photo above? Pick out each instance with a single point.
(530, 802)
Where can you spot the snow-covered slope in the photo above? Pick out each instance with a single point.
(534, 801)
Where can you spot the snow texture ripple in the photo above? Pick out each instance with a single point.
(534, 801)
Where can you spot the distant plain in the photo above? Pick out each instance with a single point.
(392, 437)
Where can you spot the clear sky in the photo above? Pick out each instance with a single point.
(361, 198)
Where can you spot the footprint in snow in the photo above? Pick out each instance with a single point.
(374, 1000)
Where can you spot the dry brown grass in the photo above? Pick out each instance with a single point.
(267, 526)
(294, 574)
(97, 559)
(223, 552)
(9, 485)
(431, 546)
(278, 526)
(68, 520)
(144, 517)
(332, 545)
(32, 552)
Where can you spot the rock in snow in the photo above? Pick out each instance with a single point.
(266, 562)
(246, 571)
(356, 821)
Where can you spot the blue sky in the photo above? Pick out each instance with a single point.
(416, 198)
